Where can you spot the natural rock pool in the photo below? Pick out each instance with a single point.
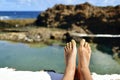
(23, 57)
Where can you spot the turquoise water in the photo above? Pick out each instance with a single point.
(23, 57)
(103, 63)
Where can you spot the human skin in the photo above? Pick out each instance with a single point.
(84, 54)
(70, 52)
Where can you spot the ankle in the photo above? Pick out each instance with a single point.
(84, 69)
(70, 68)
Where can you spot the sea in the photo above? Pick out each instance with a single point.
(5, 15)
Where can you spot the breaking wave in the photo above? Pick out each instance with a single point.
(4, 17)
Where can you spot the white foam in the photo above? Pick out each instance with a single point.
(4, 17)
(11, 74)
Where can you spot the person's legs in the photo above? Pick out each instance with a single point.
(84, 54)
(70, 52)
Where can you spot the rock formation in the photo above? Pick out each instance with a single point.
(99, 20)
(85, 17)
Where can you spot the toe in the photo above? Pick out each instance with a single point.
(70, 44)
(73, 43)
(86, 44)
(89, 47)
(67, 46)
(82, 42)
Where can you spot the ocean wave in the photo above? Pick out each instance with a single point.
(4, 17)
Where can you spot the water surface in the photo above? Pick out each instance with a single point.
(18, 14)
(23, 57)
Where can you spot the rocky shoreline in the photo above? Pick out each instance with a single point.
(33, 35)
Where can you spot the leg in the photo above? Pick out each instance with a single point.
(84, 54)
(70, 52)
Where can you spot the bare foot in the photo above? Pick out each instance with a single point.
(84, 54)
(70, 52)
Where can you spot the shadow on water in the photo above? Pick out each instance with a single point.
(105, 49)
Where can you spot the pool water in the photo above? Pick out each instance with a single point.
(23, 57)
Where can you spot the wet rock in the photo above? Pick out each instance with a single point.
(116, 51)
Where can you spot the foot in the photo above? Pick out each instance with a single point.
(70, 52)
(84, 54)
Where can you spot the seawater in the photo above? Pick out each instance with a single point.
(18, 14)
(23, 57)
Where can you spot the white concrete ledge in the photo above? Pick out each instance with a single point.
(11, 74)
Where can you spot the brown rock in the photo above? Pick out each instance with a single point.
(105, 19)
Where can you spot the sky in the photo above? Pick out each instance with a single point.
(41, 5)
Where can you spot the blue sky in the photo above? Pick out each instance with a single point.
(40, 5)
